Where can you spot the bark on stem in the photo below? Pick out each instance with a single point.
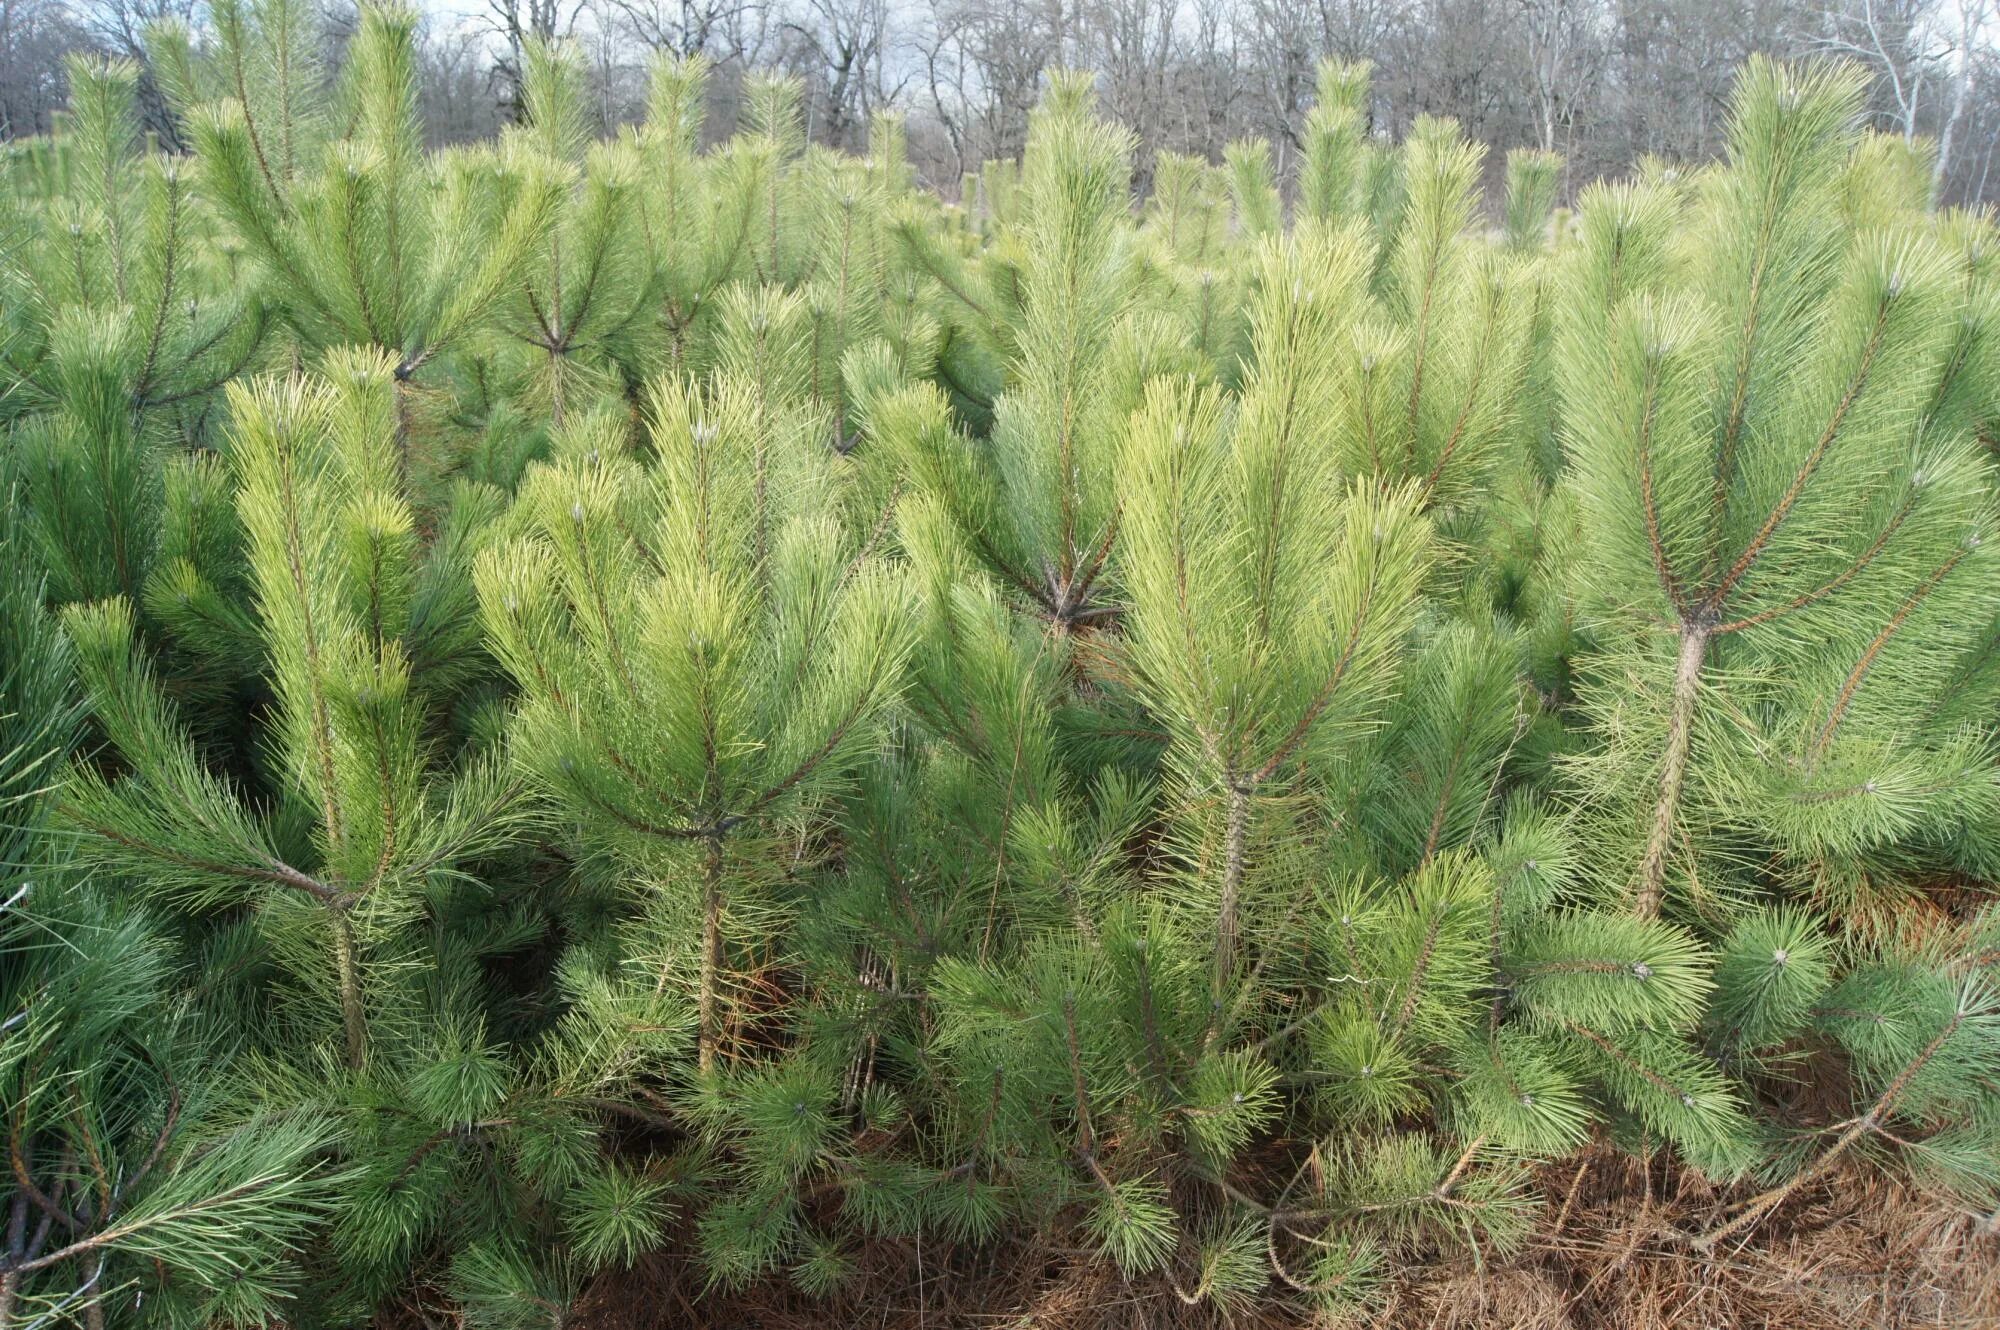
(556, 398)
(711, 952)
(1236, 843)
(1762, 1205)
(353, 1012)
(1444, 1189)
(404, 426)
(1673, 770)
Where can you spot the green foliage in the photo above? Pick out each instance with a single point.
(1764, 462)
(1533, 178)
(125, 1170)
(586, 695)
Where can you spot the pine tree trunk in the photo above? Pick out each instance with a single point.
(354, 1014)
(556, 403)
(403, 425)
(711, 953)
(1673, 771)
(1236, 842)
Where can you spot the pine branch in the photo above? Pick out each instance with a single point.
(1673, 771)
(1761, 1205)
(1808, 468)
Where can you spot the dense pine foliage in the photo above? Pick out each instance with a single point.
(568, 698)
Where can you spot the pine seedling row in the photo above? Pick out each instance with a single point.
(600, 694)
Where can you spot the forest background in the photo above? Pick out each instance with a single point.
(1604, 82)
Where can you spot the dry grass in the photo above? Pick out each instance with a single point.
(1861, 1254)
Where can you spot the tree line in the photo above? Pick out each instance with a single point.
(1607, 84)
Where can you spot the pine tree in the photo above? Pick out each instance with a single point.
(339, 589)
(263, 56)
(1437, 383)
(1186, 209)
(119, 373)
(1256, 656)
(377, 243)
(697, 219)
(592, 284)
(1916, 1024)
(122, 1172)
(1774, 452)
(1533, 180)
(344, 874)
(1770, 411)
(1253, 188)
(746, 641)
(1037, 499)
(1331, 179)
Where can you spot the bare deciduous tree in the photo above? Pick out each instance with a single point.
(1603, 82)
(34, 35)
